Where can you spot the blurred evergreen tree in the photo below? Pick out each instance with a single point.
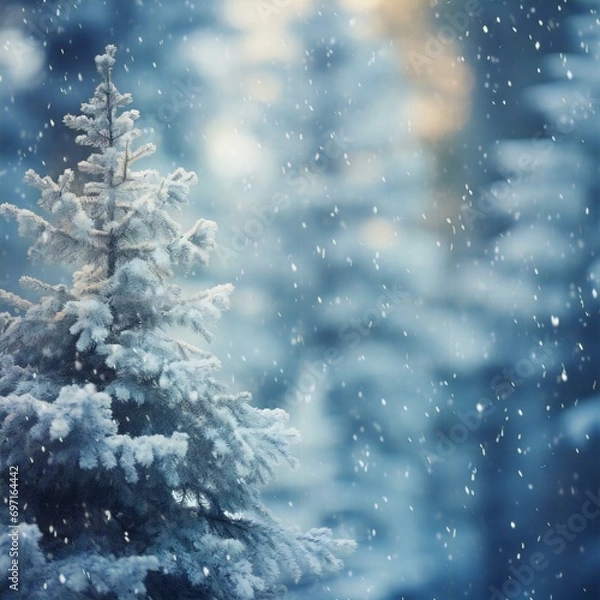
(330, 194)
(533, 271)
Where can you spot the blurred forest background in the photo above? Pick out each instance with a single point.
(406, 193)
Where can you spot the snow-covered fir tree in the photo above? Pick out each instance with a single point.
(138, 474)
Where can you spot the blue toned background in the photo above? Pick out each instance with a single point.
(407, 203)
